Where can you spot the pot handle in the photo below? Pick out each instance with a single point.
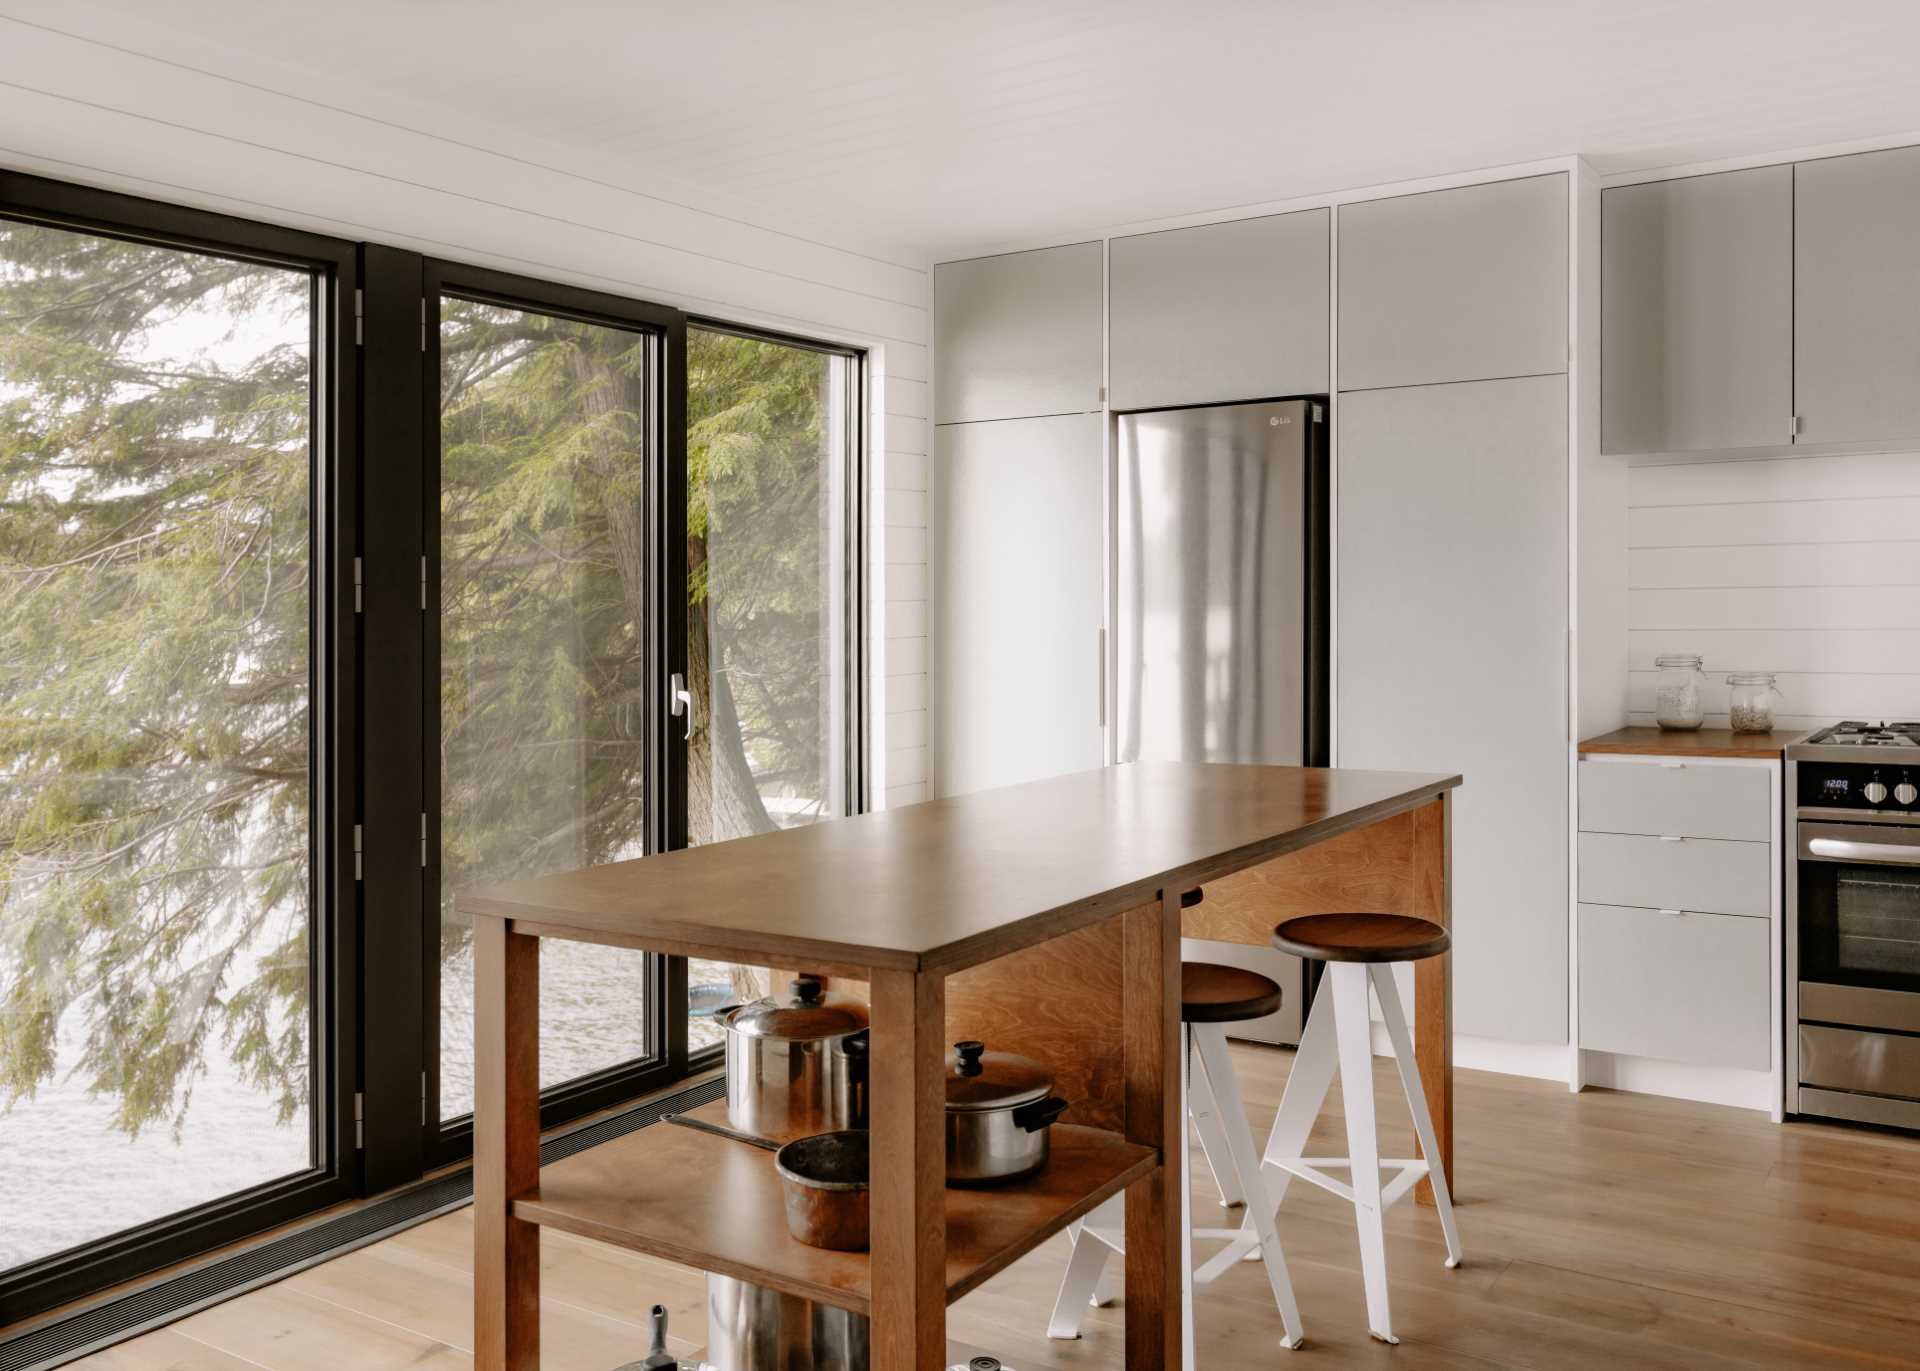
(1038, 1115)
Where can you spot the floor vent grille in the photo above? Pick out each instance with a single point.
(115, 1320)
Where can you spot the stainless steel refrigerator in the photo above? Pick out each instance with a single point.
(1221, 603)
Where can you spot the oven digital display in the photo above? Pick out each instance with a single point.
(1836, 787)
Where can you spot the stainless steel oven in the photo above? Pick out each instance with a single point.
(1853, 947)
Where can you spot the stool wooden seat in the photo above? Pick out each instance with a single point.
(1212, 993)
(1362, 938)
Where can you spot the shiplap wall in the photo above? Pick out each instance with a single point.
(238, 143)
(1808, 566)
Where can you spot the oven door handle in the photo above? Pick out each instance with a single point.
(1845, 850)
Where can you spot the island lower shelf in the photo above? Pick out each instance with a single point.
(714, 1204)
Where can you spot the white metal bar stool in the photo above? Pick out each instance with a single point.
(1360, 951)
(1211, 997)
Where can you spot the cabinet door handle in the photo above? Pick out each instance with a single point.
(1665, 839)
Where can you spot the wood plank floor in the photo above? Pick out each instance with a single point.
(1602, 1230)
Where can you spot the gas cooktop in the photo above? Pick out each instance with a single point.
(1853, 733)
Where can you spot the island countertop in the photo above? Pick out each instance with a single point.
(947, 884)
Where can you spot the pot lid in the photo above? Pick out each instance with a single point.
(979, 1080)
(808, 1012)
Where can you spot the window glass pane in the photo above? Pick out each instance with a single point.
(767, 651)
(155, 717)
(543, 561)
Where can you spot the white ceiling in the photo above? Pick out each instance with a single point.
(931, 129)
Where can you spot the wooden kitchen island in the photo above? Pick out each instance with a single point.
(1044, 919)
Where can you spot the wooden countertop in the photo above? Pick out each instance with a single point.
(1700, 742)
(950, 883)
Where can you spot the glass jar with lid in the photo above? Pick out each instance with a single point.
(1750, 701)
(1678, 691)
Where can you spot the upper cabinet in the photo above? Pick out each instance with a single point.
(1454, 285)
(1221, 312)
(1856, 297)
(1696, 319)
(1019, 335)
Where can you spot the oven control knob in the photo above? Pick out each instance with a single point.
(1875, 792)
(1905, 793)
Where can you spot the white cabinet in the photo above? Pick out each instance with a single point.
(1696, 327)
(1679, 926)
(1856, 294)
(1454, 285)
(1016, 564)
(1018, 335)
(1452, 548)
(1221, 312)
(1675, 985)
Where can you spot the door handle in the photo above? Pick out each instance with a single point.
(1840, 850)
(681, 702)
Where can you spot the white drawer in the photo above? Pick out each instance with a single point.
(1688, 800)
(1681, 987)
(1706, 875)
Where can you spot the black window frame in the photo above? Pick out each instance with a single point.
(335, 709)
(375, 1007)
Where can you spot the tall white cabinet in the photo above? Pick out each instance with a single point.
(1452, 657)
(1016, 543)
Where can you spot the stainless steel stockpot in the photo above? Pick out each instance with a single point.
(752, 1328)
(797, 1063)
(1000, 1113)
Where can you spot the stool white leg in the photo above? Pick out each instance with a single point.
(1216, 1066)
(1389, 996)
(1353, 1032)
(1078, 1287)
(1208, 1121)
(1182, 1191)
(1306, 1090)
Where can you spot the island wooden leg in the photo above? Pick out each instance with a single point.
(1433, 988)
(1156, 1219)
(907, 1103)
(506, 1146)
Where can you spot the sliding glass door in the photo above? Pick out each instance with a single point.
(552, 460)
(772, 612)
(166, 953)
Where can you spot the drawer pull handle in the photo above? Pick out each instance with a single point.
(1665, 839)
(1677, 913)
(1673, 766)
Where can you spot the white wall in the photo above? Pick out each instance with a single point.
(250, 144)
(1805, 565)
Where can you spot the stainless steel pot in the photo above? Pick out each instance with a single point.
(752, 1328)
(797, 1064)
(1000, 1113)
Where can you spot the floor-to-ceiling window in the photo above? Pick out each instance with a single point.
(164, 706)
(266, 706)
(772, 474)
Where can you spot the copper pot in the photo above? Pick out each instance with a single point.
(824, 1179)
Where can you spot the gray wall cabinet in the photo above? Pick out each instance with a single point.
(1018, 335)
(1696, 322)
(1454, 285)
(1452, 543)
(1856, 292)
(1221, 312)
(1017, 601)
